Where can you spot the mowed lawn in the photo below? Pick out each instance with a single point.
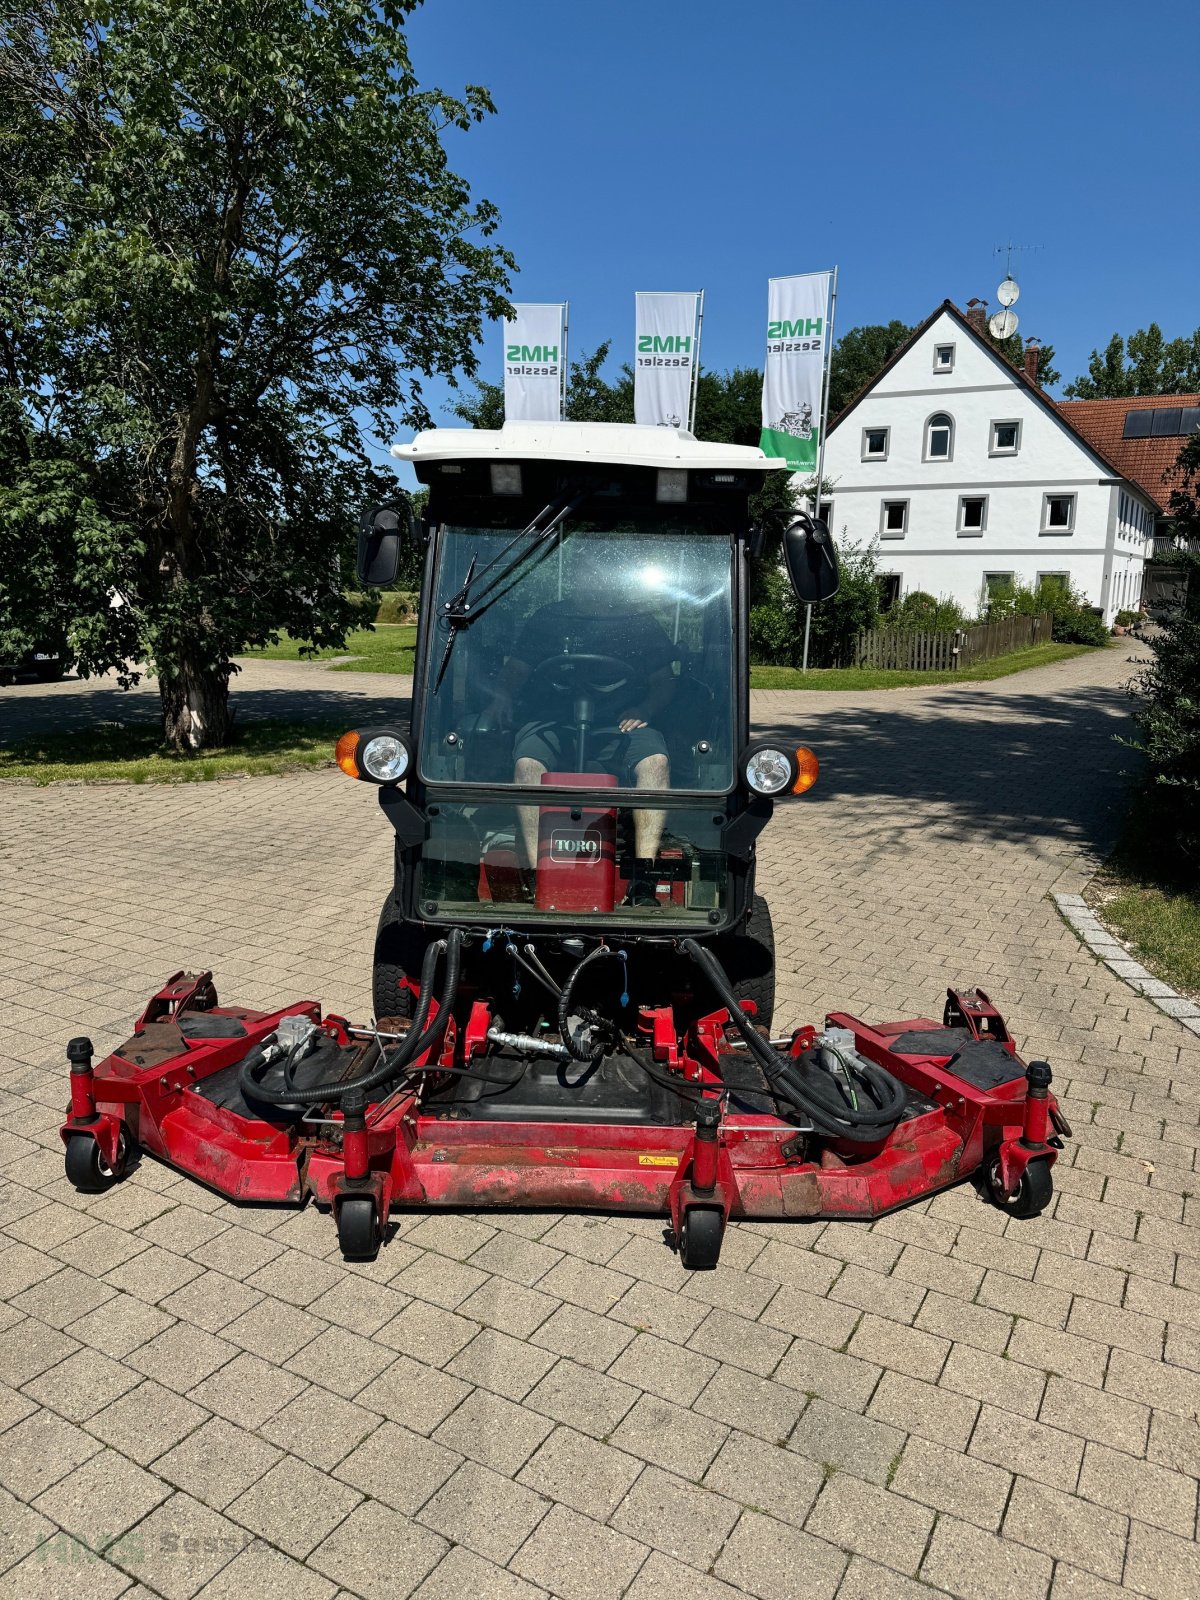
(386, 648)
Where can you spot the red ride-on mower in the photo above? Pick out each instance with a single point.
(574, 974)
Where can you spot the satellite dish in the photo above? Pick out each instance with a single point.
(1004, 324)
(1008, 294)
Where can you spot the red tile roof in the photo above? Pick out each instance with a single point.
(1149, 462)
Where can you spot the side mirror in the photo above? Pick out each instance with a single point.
(811, 559)
(381, 534)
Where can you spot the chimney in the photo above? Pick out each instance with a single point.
(1031, 360)
(977, 314)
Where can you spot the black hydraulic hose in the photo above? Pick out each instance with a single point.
(682, 1087)
(419, 1038)
(578, 1052)
(812, 1091)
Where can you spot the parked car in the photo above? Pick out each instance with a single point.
(46, 661)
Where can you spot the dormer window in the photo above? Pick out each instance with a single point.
(939, 437)
(943, 358)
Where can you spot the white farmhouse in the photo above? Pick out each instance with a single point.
(970, 477)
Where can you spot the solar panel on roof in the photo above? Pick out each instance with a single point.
(1166, 422)
(1137, 424)
(1189, 419)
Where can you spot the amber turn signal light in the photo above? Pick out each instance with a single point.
(345, 752)
(807, 769)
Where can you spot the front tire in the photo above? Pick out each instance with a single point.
(399, 951)
(1033, 1191)
(86, 1167)
(359, 1232)
(700, 1234)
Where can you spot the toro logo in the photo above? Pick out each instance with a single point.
(575, 846)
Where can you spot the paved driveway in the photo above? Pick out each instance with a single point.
(505, 1405)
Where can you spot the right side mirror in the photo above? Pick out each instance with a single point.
(381, 534)
(811, 559)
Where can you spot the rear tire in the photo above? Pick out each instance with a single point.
(50, 671)
(748, 957)
(399, 951)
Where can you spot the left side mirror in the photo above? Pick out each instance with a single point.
(811, 559)
(381, 535)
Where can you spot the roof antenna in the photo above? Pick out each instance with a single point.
(1006, 322)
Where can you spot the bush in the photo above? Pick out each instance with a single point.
(777, 617)
(1073, 619)
(1126, 618)
(397, 605)
(1167, 706)
(919, 612)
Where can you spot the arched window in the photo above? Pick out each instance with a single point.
(939, 437)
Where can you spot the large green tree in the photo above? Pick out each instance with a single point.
(230, 246)
(1145, 363)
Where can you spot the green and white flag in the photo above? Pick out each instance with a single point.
(535, 359)
(667, 340)
(797, 324)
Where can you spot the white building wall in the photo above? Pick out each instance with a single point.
(1104, 550)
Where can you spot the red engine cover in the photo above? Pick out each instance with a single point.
(577, 857)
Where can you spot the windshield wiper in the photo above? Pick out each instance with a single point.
(463, 608)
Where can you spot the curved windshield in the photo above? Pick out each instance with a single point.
(603, 657)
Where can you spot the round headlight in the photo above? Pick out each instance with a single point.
(385, 757)
(769, 771)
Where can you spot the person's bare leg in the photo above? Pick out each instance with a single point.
(528, 773)
(651, 772)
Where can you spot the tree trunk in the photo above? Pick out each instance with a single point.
(195, 705)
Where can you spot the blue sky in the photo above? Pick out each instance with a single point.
(663, 146)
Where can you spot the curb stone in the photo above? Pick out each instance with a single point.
(1075, 911)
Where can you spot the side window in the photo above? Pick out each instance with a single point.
(1006, 439)
(972, 514)
(875, 444)
(1058, 513)
(943, 358)
(893, 519)
(939, 437)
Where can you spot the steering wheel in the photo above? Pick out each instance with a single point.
(584, 673)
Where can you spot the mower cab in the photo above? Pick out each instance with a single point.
(574, 970)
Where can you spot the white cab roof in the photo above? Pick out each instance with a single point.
(612, 443)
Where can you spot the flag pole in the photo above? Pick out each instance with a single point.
(821, 441)
(696, 360)
(562, 401)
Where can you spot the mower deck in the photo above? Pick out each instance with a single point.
(563, 1136)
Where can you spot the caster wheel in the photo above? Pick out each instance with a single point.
(359, 1233)
(700, 1238)
(87, 1169)
(1033, 1191)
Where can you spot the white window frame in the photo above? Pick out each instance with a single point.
(961, 528)
(876, 455)
(892, 533)
(985, 593)
(929, 421)
(1054, 531)
(943, 366)
(1065, 576)
(995, 449)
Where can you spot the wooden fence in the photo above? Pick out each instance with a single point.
(908, 651)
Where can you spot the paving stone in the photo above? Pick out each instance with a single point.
(13, 1406)
(811, 1316)
(812, 1369)
(62, 1569)
(585, 1337)
(509, 1307)
(340, 1360)
(664, 1579)
(237, 1253)
(179, 1547)
(247, 1390)
(418, 1396)
(358, 1304)
(649, 1309)
(439, 1281)
(81, 1385)
(866, 1520)
(1140, 1489)
(266, 1574)
(212, 1302)
(501, 1363)
(688, 1523)
(294, 1506)
(1008, 1384)
(762, 1477)
(931, 1413)
(217, 1462)
(488, 1513)
(796, 1266)
(450, 1235)
(774, 1561)
(979, 1566)
(580, 1472)
(1175, 1442)
(523, 1260)
(739, 1342)
(1067, 1528)
(1160, 1565)
(1061, 1353)
(400, 1468)
(1094, 1414)
(299, 1279)
(462, 1572)
(867, 1580)
(319, 1427)
(494, 1431)
(146, 1421)
(670, 1437)
(578, 1558)
(949, 1481)
(756, 1405)
(964, 1323)
(890, 1297)
(584, 1284)
(829, 1435)
(899, 1348)
(102, 1499)
(1029, 1448)
(1154, 1383)
(182, 1352)
(427, 1333)
(582, 1398)
(118, 1328)
(39, 1451)
(63, 1297)
(21, 1530)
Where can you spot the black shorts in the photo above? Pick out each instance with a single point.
(608, 749)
